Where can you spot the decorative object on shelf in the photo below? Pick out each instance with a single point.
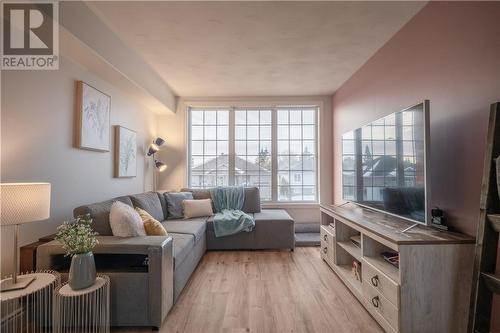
(159, 165)
(437, 219)
(391, 257)
(22, 203)
(85, 310)
(356, 240)
(356, 270)
(125, 152)
(79, 239)
(29, 309)
(93, 110)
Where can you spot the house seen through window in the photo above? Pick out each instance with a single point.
(273, 149)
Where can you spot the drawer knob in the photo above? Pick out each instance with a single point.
(374, 280)
(324, 250)
(375, 301)
(325, 238)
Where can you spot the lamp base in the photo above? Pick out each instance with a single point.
(22, 282)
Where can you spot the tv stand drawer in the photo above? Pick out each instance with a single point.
(327, 244)
(379, 303)
(327, 235)
(382, 284)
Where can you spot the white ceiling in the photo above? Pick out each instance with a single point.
(255, 48)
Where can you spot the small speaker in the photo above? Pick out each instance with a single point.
(438, 219)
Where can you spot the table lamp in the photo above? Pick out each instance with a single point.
(22, 203)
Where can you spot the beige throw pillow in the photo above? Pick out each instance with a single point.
(125, 221)
(152, 226)
(197, 208)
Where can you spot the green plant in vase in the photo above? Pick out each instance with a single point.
(78, 240)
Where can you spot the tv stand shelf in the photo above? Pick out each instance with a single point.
(428, 292)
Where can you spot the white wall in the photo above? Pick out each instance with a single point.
(174, 152)
(36, 145)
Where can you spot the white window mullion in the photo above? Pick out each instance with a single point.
(274, 155)
(232, 154)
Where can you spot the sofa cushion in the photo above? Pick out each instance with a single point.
(163, 201)
(250, 205)
(150, 202)
(273, 215)
(100, 214)
(182, 246)
(269, 217)
(200, 194)
(197, 208)
(152, 226)
(195, 227)
(252, 200)
(125, 221)
(174, 203)
(210, 223)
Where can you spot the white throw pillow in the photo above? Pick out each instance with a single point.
(125, 221)
(197, 208)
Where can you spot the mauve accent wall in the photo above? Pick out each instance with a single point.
(448, 53)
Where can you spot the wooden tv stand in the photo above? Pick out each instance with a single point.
(428, 292)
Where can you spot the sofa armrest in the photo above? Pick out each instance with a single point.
(111, 245)
(159, 250)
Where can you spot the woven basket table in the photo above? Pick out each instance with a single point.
(29, 309)
(84, 310)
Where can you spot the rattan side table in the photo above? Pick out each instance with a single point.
(29, 309)
(85, 310)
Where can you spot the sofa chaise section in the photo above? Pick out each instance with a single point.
(274, 229)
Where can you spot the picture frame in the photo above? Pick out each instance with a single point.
(125, 161)
(93, 117)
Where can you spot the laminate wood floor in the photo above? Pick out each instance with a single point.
(265, 291)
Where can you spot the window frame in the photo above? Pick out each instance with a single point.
(274, 145)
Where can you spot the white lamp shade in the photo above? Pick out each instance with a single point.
(24, 202)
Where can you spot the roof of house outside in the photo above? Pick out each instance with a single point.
(221, 162)
(242, 166)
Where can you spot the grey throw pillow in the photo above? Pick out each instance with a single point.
(174, 203)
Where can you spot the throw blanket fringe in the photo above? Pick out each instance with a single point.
(229, 218)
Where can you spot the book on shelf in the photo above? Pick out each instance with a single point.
(356, 240)
(391, 257)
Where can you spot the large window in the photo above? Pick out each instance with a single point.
(252, 147)
(270, 148)
(209, 148)
(296, 155)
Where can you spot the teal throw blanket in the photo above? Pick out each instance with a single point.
(229, 218)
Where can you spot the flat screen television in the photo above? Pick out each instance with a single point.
(385, 163)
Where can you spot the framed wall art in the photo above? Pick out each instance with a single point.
(93, 111)
(125, 152)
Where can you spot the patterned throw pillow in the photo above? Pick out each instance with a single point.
(174, 203)
(125, 221)
(152, 226)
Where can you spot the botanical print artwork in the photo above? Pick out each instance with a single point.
(125, 156)
(94, 114)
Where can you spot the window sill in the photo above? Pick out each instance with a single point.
(295, 205)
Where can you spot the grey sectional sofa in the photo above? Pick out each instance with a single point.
(149, 273)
